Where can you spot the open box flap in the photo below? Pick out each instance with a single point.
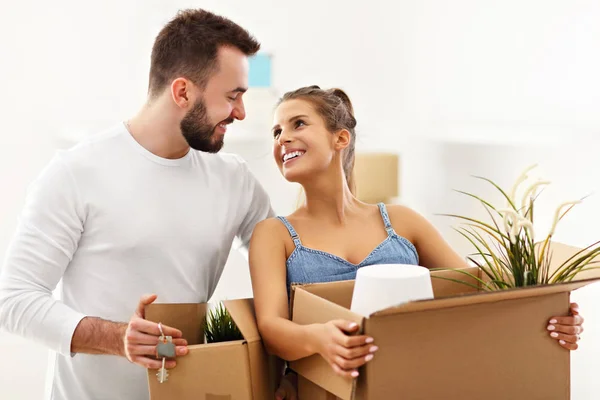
(308, 308)
(187, 317)
(338, 292)
(262, 372)
(242, 312)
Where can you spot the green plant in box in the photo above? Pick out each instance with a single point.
(506, 250)
(219, 326)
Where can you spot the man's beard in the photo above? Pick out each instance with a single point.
(198, 132)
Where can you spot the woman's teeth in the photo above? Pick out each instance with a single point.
(291, 155)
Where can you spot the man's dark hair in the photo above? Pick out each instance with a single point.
(187, 47)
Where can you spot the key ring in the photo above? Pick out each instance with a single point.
(164, 349)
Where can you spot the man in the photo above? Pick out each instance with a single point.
(145, 207)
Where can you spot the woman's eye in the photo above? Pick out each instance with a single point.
(276, 133)
(299, 123)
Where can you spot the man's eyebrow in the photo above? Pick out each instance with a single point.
(240, 90)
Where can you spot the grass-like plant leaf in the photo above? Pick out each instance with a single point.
(219, 326)
(508, 254)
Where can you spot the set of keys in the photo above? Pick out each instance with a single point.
(165, 349)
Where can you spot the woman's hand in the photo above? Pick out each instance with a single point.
(567, 329)
(343, 352)
(288, 387)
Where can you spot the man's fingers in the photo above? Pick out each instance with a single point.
(144, 301)
(180, 342)
(151, 328)
(151, 363)
(145, 350)
(137, 337)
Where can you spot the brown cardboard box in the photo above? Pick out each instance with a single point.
(376, 176)
(464, 344)
(238, 370)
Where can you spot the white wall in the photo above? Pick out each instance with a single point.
(457, 87)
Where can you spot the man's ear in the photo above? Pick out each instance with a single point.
(342, 139)
(181, 92)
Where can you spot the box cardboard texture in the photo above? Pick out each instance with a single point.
(463, 344)
(377, 177)
(236, 370)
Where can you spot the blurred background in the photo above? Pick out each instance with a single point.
(451, 88)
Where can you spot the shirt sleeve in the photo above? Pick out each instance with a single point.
(47, 236)
(259, 208)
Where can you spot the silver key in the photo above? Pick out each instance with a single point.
(165, 349)
(162, 374)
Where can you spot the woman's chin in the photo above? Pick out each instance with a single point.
(294, 176)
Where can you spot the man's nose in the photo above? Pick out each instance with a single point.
(239, 111)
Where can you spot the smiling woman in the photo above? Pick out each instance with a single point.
(333, 234)
(311, 114)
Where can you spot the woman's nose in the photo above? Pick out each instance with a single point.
(283, 138)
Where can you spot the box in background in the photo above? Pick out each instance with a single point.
(376, 176)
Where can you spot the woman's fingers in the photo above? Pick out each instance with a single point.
(357, 352)
(568, 329)
(573, 339)
(572, 320)
(344, 373)
(568, 345)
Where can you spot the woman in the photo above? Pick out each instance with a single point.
(333, 234)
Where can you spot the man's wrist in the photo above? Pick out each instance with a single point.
(98, 336)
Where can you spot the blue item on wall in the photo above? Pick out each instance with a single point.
(260, 70)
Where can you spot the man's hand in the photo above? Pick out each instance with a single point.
(141, 338)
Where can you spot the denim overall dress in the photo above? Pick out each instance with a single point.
(306, 265)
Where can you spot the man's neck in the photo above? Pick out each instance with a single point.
(157, 130)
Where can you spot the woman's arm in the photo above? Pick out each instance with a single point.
(282, 337)
(268, 272)
(433, 250)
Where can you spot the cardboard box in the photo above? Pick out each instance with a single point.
(376, 177)
(237, 370)
(464, 344)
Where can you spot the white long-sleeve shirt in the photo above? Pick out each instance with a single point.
(113, 222)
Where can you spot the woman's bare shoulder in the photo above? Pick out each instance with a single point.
(407, 220)
(269, 227)
(399, 211)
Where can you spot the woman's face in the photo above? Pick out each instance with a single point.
(302, 144)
